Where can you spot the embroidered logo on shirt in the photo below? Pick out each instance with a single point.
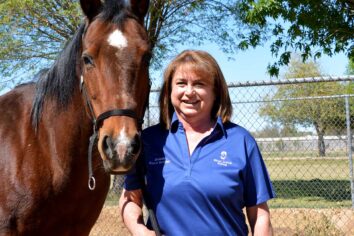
(159, 161)
(223, 155)
(222, 161)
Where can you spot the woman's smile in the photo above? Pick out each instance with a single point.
(190, 102)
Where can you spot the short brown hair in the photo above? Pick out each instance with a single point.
(199, 61)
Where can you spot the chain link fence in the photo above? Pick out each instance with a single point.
(304, 128)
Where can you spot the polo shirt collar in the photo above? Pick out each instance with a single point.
(221, 126)
(175, 124)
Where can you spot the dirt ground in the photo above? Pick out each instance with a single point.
(109, 223)
(287, 222)
(313, 222)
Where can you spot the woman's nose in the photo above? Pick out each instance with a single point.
(190, 90)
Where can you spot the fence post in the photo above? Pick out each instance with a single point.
(148, 114)
(350, 154)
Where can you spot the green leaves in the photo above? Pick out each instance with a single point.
(174, 23)
(300, 26)
(32, 33)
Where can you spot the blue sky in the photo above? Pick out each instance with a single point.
(251, 65)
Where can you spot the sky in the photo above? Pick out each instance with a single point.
(251, 65)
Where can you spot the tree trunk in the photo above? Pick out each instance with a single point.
(320, 143)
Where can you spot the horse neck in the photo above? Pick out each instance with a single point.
(63, 137)
(81, 116)
(71, 122)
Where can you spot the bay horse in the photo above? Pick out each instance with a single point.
(98, 87)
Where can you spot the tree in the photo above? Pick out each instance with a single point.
(33, 32)
(312, 28)
(290, 107)
(350, 67)
(175, 22)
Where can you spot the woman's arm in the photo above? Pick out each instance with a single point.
(130, 206)
(259, 220)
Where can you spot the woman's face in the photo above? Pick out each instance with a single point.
(192, 94)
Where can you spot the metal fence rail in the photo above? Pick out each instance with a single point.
(304, 129)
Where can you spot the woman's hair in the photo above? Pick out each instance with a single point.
(200, 62)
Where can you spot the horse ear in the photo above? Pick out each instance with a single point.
(91, 8)
(139, 8)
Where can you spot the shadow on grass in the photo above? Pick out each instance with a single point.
(330, 190)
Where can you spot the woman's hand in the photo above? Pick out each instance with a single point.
(259, 220)
(130, 205)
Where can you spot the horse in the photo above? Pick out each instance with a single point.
(53, 178)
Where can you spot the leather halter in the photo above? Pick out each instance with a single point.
(96, 123)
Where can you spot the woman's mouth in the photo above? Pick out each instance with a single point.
(190, 102)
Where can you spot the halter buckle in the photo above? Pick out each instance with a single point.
(92, 183)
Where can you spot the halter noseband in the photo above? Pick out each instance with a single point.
(96, 122)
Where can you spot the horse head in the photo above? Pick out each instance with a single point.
(114, 76)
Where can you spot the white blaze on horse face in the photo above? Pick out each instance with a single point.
(123, 144)
(117, 39)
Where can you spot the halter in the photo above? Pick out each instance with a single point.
(96, 123)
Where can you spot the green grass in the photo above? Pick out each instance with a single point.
(296, 154)
(310, 183)
(112, 198)
(308, 169)
(311, 194)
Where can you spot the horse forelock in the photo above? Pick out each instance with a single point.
(116, 11)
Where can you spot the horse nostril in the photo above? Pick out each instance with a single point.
(136, 144)
(108, 146)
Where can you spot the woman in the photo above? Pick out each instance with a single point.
(201, 169)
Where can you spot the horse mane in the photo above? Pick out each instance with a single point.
(59, 81)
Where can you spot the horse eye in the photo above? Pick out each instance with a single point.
(88, 60)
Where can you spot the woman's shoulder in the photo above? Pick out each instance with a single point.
(236, 130)
(237, 134)
(154, 131)
(154, 138)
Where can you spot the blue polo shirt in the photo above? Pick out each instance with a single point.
(202, 194)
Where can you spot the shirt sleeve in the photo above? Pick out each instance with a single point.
(258, 186)
(132, 181)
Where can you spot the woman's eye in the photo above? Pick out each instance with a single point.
(180, 83)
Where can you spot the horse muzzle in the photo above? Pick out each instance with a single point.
(120, 153)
